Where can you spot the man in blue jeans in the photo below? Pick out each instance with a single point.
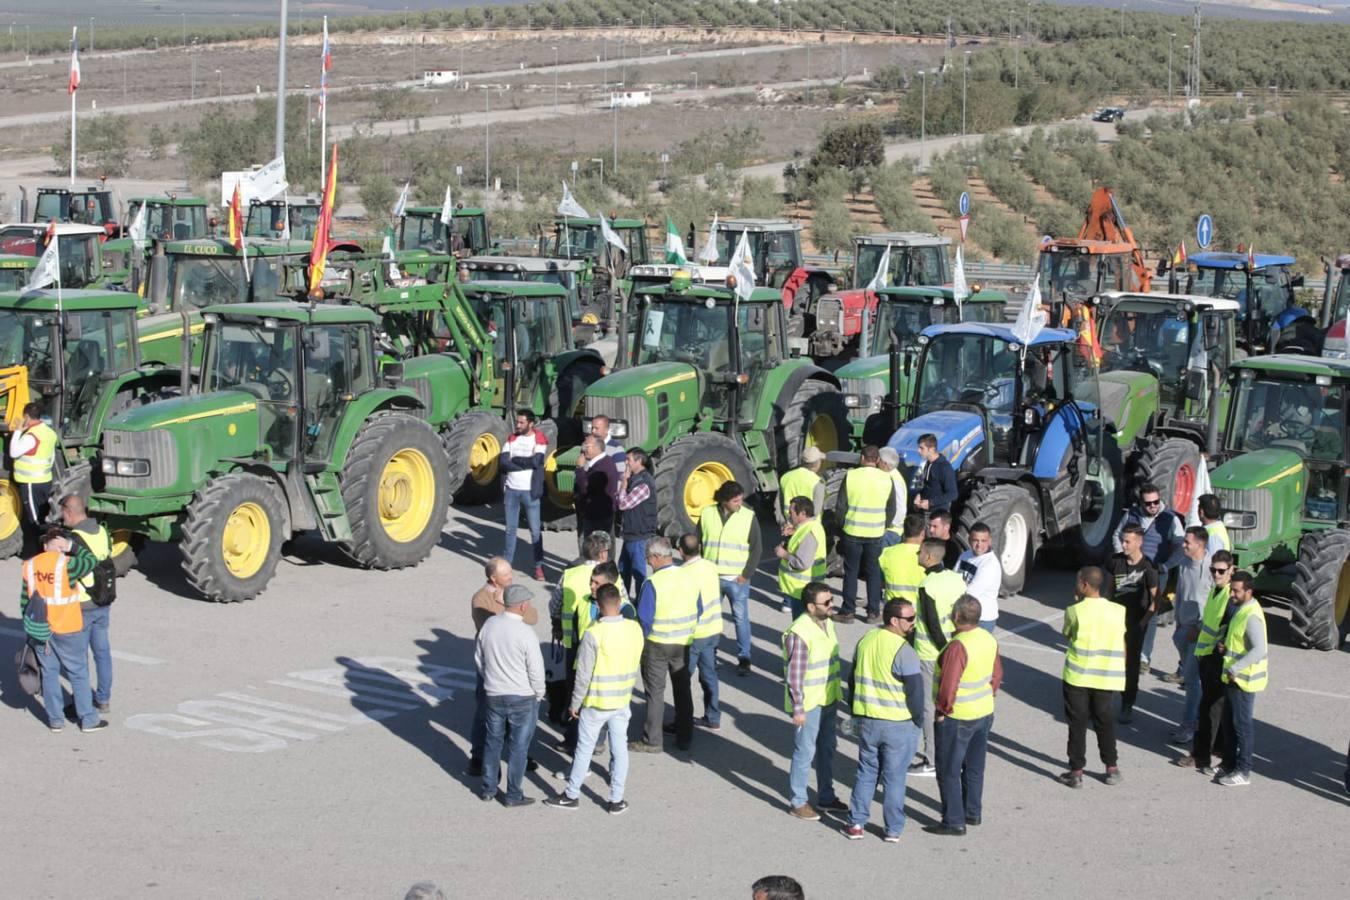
(636, 501)
(811, 689)
(968, 675)
(75, 516)
(888, 702)
(731, 541)
(708, 629)
(512, 667)
(522, 465)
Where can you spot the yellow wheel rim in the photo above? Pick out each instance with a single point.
(702, 484)
(9, 509)
(483, 457)
(1343, 594)
(121, 543)
(245, 540)
(823, 434)
(407, 495)
(556, 494)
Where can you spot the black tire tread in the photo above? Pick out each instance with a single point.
(670, 516)
(812, 398)
(1158, 463)
(992, 504)
(209, 509)
(1312, 605)
(458, 441)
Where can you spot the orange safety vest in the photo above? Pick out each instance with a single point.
(46, 577)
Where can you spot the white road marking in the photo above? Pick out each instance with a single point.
(1030, 625)
(1319, 693)
(116, 654)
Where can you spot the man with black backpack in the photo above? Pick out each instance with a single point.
(101, 587)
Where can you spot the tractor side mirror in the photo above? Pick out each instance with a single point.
(1211, 333)
(1194, 385)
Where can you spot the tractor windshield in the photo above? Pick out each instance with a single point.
(13, 279)
(97, 344)
(674, 331)
(268, 220)
(427, 232)
(1302, 416)
(1149, 338)
(200, 281)
(1067, 273)
(905, 319)
(1270, 285)
(771, 251)
(26, 340)
(538, 325)
(252, 358)
(909, 266)
(86, 209)
(968, 368)
(166, 222)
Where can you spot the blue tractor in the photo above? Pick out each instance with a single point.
(1023, 426)
(1262, 285)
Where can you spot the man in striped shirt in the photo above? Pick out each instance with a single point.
(636, 500)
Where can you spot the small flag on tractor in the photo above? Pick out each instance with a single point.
(569, 208)
(401, 204)
(675, 254)
(882, 276)
(709, 252)
(318, 256)
(743, 268)
(48, 269)
(326, 67)
(1179, 257)
(235, 218)
(1251, 258)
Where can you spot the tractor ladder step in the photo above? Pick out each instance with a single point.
(330, 512)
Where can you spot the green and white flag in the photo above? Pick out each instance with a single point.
(674, 245)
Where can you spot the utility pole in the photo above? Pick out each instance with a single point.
(193, 52)
(184, 19)
(91, 35)
(1170, 37)
(487, 135)
(1195, 56)
(923, 112)
(555, 80)
(615, 167)
(281, 85)
(965, 71)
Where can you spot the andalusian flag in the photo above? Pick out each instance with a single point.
(318, 256)
(674, 245)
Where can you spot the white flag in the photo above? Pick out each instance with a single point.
(286, 219)
(883, 273)
(1031, 318)
(743, 267)
(48, 270)
(709, 252)
(1202, 486)
(960, 291)
(138, 228)
(447, 208)
(569, 207)
(401, 206)
(387, 251)
(267, 182)
(608, 234)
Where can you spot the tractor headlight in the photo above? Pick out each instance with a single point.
(127, 468)
(618, 429)
(853, 401)
(1241, 520)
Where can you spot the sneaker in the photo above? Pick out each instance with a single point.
(703, 722)
(743, 667)
(805, 812)
(562, 801)
(1235, 779)
(97, 726)
(1221, 772)
(616, 807)
(565, 747)
(1073, 779)
(539, 573)
(644, 747)
(1113, 775)
(531, 764)
(1181, 737)
(922, 769)
(853, 832)
(1206, 770)
(891, 838)
(871, 619)
(1143, 661)
(57, 729)
(103, 707)
(668, 728)
(787, 608)
(1173, 678)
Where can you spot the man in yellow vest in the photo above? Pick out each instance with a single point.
(49, 600)
(803, 481)
(938, 592)
(900, 568)
(570, 593)
(1094, 672)
(708, 631)
(730, 537)
(811, 688)
(888, 703)
(668, 610)
(1209, 729)
(1245, 674)
(1210, 510)
(969, 672)
(84, 529)
(801, 558)
(607, 668)
(866, 503)
(32, 453)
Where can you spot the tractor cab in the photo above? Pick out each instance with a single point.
(268, 219)
(775, 247)
(581, 239)
(916, 259)
(80, 248)
(1262, 286)
(211, 272)
(1336, 307)
(1072, 271)
(421, 228)
(92, 206)
(170, 217)
(16, 271)
(583, 315)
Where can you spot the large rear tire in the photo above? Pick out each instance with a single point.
(474, 445)
(815, 417)
(1320, 595)
(1099, 501)
(1014, 524)
(690, 472)
(1173, 464)
(232, 537)
(395, 488)
(829, 519)
(564, 401)
(11, 519)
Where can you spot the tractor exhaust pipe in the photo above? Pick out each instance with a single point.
(895, 383)
(1212, 433)
(185, 373)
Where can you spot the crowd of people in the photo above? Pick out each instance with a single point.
(920, 687)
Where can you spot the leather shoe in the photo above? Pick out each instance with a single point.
(511, 804)
(946, 830)
(973, 820)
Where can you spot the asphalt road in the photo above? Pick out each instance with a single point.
(313, 743)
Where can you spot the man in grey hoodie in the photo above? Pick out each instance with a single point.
(1193, 584)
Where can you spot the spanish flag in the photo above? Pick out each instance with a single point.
(235, 219)
(1179, 257)
(318, 256)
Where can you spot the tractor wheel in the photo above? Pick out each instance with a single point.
(1100, 503)
(396, 492)
(474, 445)
(690, 472)
(1320, 596)
(815, 417)
(829, 520)
(564, 401)
(232, 537)
(1014, 524)
(11, 520)
(1173, 464)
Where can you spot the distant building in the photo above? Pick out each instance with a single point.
(436, 77)
(630, 98)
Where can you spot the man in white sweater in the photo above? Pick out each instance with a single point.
(512, 668)
(983, 574)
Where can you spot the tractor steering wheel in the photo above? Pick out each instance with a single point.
(280, 384)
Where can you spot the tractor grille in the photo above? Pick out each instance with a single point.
(157, 447)
(1258, 501)
(830, 315)
(632, 410)
(873, 389)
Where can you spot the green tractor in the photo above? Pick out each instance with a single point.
(421, 228)
(80, 249)
(275, 219)
(168, 217)
(876, 386)
(713, 394)
(93, 205)
(1162, 362)
(79, 356)
(1282, 481)
(16, 271)
(566, 273)
(297, 428)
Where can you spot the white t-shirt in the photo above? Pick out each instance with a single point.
(983, 576)
(523, 446)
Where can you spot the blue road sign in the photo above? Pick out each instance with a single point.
(1204, 231)
(965, 203)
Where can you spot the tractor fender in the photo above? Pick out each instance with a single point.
(361, 409)
(1059, 438)
(960, 435)
(563, 360)
(781, 384)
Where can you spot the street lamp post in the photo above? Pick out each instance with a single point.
(615, 167)
(965, 71)
(1186, 84)
(309, 119)
(487, 136)
(1170, 37)
(193, 53)
(555, 80)
(923, 111)
(91, 35)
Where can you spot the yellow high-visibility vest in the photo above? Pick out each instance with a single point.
(35, 466)
(1253, 678)
(1212, 620)
(1096, 654)
(867, 490)
(676, 606)
(618, 648)
(702, 573)
(576, 588)
(975, 693)
(821, 685)
(800, 482)
(901, 572)
(942, 589)
(877, 693)
(791, 581)
(726, 544)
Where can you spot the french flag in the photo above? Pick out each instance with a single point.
(74, 84)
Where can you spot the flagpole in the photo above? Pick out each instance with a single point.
(72, 138)
(323, 112)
